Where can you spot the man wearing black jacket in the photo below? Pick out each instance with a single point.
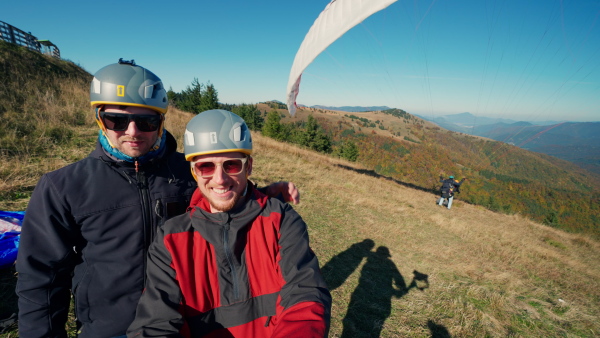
(449, 187)
(88, 225)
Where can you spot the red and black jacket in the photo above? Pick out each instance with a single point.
(249, 272)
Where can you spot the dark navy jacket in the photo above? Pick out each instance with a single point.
(86, 231)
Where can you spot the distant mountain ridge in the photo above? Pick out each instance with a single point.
(468, 120)
(576, 142)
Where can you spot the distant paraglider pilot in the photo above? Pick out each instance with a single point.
(449, 187)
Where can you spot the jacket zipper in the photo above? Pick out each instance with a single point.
(229, 255)
(146, 212)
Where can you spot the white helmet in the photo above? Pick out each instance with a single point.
(216, 131)
(127, 84)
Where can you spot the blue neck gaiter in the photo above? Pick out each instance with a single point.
(115, 153)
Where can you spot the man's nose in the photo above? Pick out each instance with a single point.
(219, 176)
(132, 129)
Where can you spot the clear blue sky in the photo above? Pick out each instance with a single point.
(526, 60)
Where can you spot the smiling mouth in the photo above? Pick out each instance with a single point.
(134, 142)
(221, 190)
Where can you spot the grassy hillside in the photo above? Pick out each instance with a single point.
(45, 119)
(501, 177)
(397, 264)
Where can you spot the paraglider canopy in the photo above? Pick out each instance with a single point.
(337, 18)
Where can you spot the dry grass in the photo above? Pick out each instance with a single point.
(45, 120)
(489, 274)
(49, 132)
(175, 122)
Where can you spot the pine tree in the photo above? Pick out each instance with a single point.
(191, 96)
(272, 126)
(173, 97)
(349, 151)
(208, 99)
(314, 137)
(250, 114)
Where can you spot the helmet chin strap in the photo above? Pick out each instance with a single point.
(103, 129)
(193, 173)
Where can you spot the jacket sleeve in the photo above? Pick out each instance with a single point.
(45, 262)
(157, 313)
(305, 304)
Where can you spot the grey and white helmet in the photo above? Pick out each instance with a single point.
(216, 131)
(125, 83)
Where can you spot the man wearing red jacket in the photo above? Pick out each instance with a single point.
(238, 263)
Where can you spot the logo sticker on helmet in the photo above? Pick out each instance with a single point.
(120, 90)
(213, 137)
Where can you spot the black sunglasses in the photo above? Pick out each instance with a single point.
(120, 122)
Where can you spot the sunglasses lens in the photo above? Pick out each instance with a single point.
(233, 167)
(117, 122)
(206, 168)
(120, 122)
(147, 122)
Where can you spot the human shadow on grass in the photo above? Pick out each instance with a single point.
(372, 173)
(437, 330)
(341, 266)
(371, 302)
(380, 280)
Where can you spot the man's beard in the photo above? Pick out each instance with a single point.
(223, 206)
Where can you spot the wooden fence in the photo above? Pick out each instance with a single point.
(14, 35)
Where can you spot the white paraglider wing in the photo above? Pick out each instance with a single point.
(337, 18)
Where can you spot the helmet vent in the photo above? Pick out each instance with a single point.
(96, 86)
(237, 134)
(189, 138)
(148, 90)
